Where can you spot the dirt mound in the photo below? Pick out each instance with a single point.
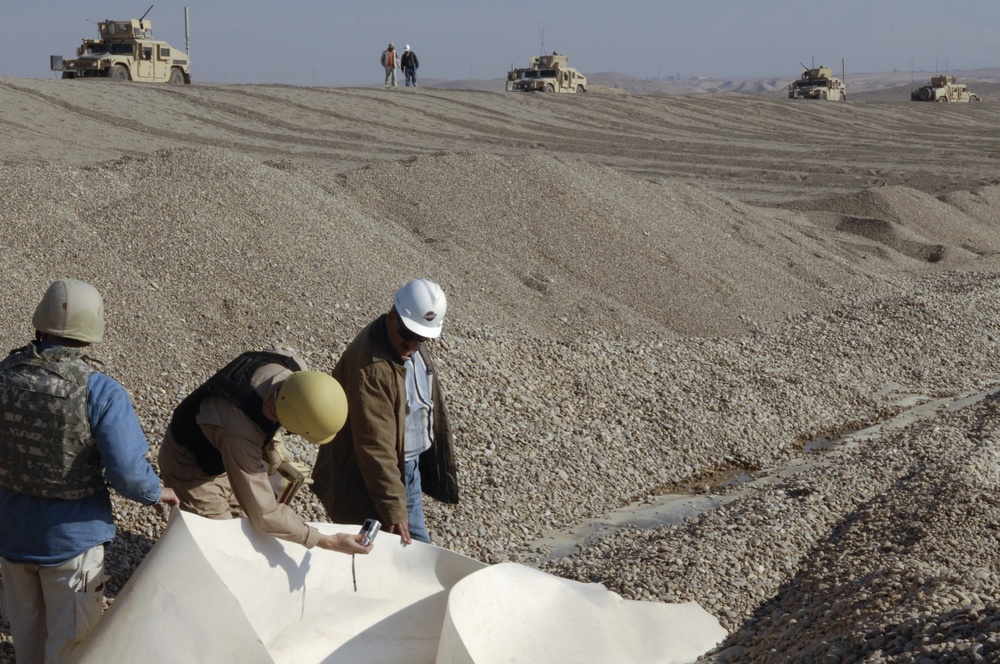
(564, 241)
(538, 242)
(913, 223)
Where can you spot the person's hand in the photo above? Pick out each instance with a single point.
(344, 543)
(167, 497)
(403, 530)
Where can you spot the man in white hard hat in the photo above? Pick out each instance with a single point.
(409, 62)
(397, 443)
(217, 452)
(67, 431)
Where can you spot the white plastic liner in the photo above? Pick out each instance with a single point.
(512, 613)
(219, 591)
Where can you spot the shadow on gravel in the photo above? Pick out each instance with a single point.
(121, 557)
(886, 581)
(816, 613)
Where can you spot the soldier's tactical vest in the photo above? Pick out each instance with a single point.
(46, 447)
(232, 382)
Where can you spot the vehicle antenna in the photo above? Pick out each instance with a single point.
(144, 15)
(541, 31)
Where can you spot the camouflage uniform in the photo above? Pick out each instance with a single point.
(48, 450)
(66, 430)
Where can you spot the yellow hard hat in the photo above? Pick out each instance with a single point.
(313, 405)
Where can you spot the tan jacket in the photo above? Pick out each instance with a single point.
(359, 474)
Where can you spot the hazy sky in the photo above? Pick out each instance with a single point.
(333, 42)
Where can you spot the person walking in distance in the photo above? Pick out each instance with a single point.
(67, 431)
(216, 452)
(409, 62)
(390, 64)
(397, 442)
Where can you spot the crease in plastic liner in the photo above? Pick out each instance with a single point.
(219, 591)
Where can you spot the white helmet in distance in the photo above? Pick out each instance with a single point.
(421, 306)
(71, 309)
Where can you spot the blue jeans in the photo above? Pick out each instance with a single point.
(415, 501)
(411, 77)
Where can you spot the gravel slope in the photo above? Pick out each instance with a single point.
(643, 292)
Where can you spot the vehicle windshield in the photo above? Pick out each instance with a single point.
(111, 48)
(531, 73)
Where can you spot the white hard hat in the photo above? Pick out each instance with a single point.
(407, 47)
(421, 306)
(71, 309)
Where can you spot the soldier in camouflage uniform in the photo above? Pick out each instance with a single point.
(67, 430)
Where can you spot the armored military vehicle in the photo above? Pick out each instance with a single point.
(943, 88)
(546, 73)
(818, 83)
(126, 51)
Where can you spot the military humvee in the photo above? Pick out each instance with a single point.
(818, 83)
(943, 88)
(126, 51)
(546, 73)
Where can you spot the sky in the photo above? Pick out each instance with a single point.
(338, 43)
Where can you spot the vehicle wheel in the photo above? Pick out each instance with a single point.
(68, 74)
(822, 94)
(176, 77)
(943, 100)
(580, 88)
(118, 73)
(925, 94)
(549, 88)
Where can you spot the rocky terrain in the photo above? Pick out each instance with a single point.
(647, 295)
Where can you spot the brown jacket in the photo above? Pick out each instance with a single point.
(359, 474)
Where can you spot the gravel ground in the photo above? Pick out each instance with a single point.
(611, 337)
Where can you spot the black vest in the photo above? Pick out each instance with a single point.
(232, 383)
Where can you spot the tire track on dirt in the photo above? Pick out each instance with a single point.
(754, 148)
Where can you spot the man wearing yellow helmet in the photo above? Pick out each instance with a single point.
(214, 454)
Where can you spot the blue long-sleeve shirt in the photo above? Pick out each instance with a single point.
(47, 531)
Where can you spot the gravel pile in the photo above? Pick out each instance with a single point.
(608, 338)
(888, 554)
